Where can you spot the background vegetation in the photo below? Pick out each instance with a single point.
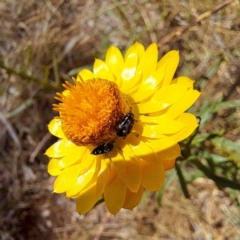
(44, 42)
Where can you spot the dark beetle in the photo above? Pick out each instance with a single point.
(103, 148)
(125, 127)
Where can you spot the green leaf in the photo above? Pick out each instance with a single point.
(214, 157)
(227, 148)
(220, 181)
(207, 110)
(226, 105)
(167, 182)
(20, 108)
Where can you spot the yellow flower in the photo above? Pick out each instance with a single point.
(119, 127)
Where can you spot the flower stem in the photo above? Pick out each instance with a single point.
(219, 180)
(181, 178)
(24, 76)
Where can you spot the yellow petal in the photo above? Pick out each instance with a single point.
(66, 93)
(148, 86)
(73, 156)
(168, 164)
(66, 178)
(102, 178)
(152, 175)
(114, 60)
(54, 167)
(85, 75)
(99, 67)
(138, 48)
(154, 80)
(101, 70)
(148, 62)
(112, 170)
(163, 98)
(132, 57)
(89, 168)
(184, 80)
(159, 120)
(141, 149)
(114, 195)
(119, 164)
(146, 67)
(91, 194)
(87, 199)
(191, 124)
(145, 131)
(141, 95)
(132, 199)
(170, 153)
(60, 148)
(133, 176)
(55, 128)
(152, 131)
(162, 144)
(183, 104)
(157, 131)
(129, 68)
(135, 52)
(168, 63)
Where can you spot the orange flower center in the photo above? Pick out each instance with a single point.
(90, 111)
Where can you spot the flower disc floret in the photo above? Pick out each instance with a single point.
(90, 111)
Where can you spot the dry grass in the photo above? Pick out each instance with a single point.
(43, 43)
